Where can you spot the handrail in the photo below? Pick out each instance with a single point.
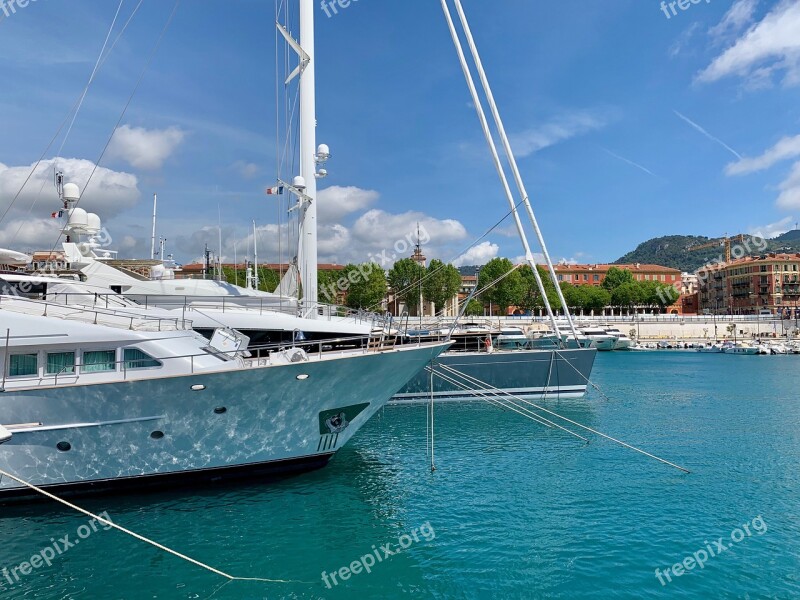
(8, 303)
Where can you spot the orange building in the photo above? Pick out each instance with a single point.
(595, 274)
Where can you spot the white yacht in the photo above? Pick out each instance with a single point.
(622, 341)
(740, 348)
(97, 399)
(599, 338)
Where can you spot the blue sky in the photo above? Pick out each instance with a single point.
(627, 124)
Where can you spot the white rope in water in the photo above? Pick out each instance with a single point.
(485, 385)
(141, 537)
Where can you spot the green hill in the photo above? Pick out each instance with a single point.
(673, 250)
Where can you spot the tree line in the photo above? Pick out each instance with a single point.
(502, 285)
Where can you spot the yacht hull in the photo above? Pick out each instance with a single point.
(530, 374)
(261, 420)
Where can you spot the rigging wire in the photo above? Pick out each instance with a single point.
(64, 122)
(550, 412)
(125, 108)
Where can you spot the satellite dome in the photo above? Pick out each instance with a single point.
(72, 192)
(78, 218)
(93, 224)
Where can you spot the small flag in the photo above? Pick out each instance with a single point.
(57, 214)
(275, 191)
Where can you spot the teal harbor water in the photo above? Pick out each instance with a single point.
(514, 510)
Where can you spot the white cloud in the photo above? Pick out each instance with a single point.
(109, 192)
(786, 148)
(246, 170)
(683, 40)
(479, 255)
(558, 130)
(768, 47)
(789, 197)
(335, 202)
(30, 234)
(773, 229)
(145, 149)
(379, 229)
(738, 16)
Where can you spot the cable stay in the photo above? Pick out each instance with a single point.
(485, 386)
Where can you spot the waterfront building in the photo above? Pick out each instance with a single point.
(752, 285)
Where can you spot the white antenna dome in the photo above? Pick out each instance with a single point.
(323, 153)
(72, 192)
(93, 224)
(78, 218)
(300, 183)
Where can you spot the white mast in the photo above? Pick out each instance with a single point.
(512, 161)
(308, 162)
(153, 238)
(255, 256)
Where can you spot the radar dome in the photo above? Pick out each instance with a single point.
(78, 218)
(72, 192)
(93, 224)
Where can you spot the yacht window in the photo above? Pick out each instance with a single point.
(23, 364)
(136, 359)
(60, 362)
(98, 361)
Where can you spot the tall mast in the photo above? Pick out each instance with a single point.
(308, 164)
(153, 238)
(255, 256)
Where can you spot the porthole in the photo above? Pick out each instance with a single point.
(302, 377)
(198, 388)
(220, 410)
(64, 446)
(157, 435)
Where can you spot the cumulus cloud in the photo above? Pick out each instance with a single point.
(773, 229)
(109, 192)
(786, 148)
(765, 49)
(377, 228)
(557, 130)
(30, 234)
(145, 149)
(479, 255)
(789, 197)
(335, 202)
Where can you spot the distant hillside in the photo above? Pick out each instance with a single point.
(673, 250)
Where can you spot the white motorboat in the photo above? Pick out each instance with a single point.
(622, 341)
(599, 338)
(710, 348)
(741, 348)
(98, 399)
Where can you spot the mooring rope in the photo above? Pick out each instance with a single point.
(485, 385)
(141, 537)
